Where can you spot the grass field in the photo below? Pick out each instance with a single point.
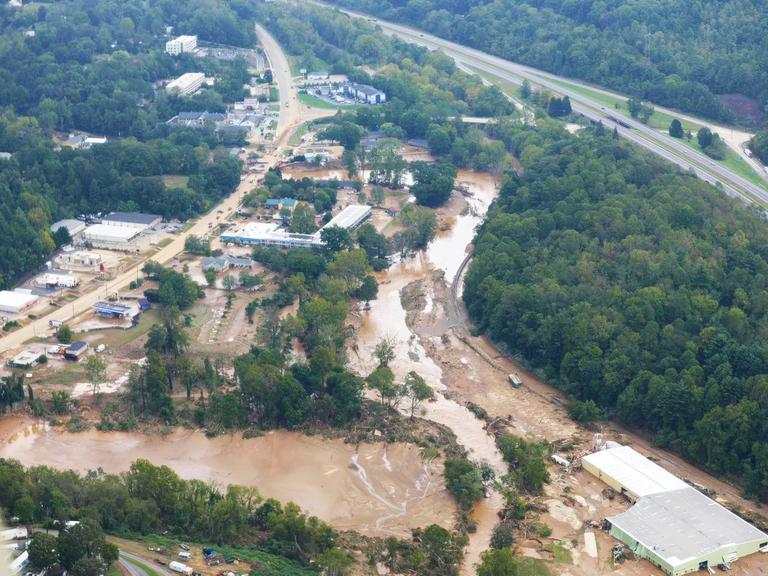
(269, 564)
(175, 181)
(660, 120)
(295, 138)
(316, 102)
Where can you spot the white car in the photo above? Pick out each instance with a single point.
(101, 348)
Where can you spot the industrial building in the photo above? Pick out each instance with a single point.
(270, 234)
(76, 350)
(181, 44)
(132, 220)
(351, 217)
(186, 84)
(57, 280)
(364, 93)
(17, 301)
(110, 237)
(74, 227)
(671, 524)
(79, 260)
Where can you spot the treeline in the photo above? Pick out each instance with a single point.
(92, 68)
(151, 499)
(668, 53)
(636, 287)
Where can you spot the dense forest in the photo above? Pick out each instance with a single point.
(678, 54)
(639, 290)
(77, 65)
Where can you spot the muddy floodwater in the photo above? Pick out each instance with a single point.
(377, 489)
(387, 319)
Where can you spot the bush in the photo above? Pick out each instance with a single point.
(64, 334)
(502, 536)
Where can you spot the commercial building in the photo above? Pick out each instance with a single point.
(74, 227)
(57, 280)
(671, 524)
(135, 220)
(17, 301)
(186, 84)
(79, 260)
(270, 234)
(26, 359)
(222, 263)
(351, 217)
(110, 237)
(364, 93)
(112, 310)
(280, 203)
(76, 350)
(181, 44)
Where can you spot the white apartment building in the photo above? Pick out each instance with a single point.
(181, 44)
(186, 84)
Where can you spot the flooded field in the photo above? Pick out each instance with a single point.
(376, 489)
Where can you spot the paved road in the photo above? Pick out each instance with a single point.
(661, 144)
(289, 119)
(134, 570)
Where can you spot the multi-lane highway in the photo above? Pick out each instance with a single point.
(657, 142)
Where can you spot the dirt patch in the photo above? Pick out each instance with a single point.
(744, 107)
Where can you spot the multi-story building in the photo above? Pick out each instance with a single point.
(186, 84)
(181, 44)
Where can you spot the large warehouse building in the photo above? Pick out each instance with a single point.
(16, 302)
(132, 220)
(110, 237)
(671, 524)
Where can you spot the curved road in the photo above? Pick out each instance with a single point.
(289, 119)
(657, 142)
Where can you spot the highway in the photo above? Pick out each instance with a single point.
(289, 119)
(657, 142)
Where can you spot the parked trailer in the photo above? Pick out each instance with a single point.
(19, 563)
(13, 534)
(180, 568)
(185, 555)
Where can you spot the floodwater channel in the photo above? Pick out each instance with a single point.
(387, 319)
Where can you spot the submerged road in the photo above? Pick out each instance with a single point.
(663, 145)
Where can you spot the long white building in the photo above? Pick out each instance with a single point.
(110, 237)
(186, 84)
(181, 44)
(270, 234)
